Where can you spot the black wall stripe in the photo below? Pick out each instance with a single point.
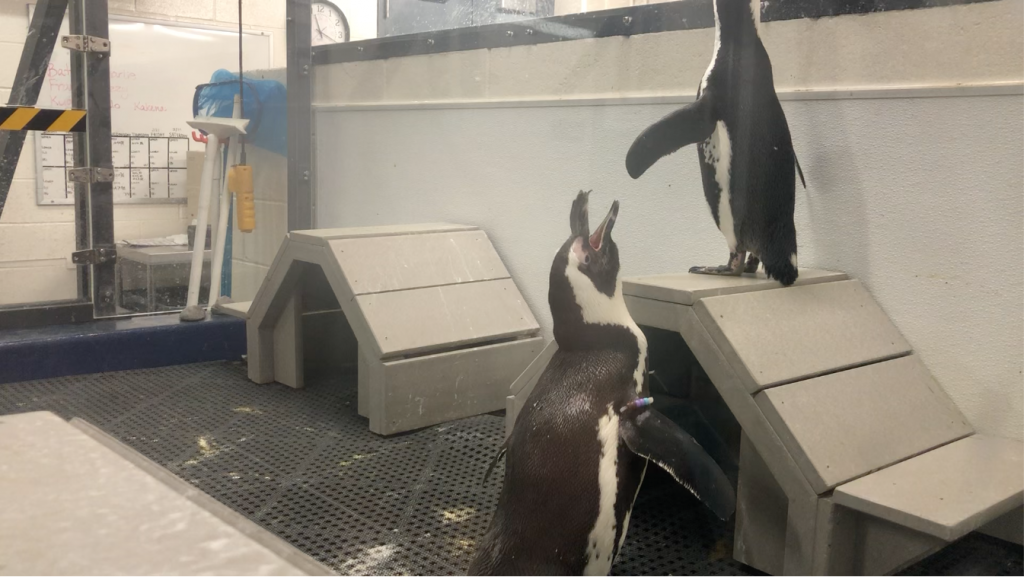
(43, 119)
(80, 125)
(6, 113)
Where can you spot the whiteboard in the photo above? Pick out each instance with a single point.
(154, 69)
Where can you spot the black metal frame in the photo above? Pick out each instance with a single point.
(35, 57)
(94, 208)
(90, 89)
(300, 115)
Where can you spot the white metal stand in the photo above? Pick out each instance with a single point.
(217, 129)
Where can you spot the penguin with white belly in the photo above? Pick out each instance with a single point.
(580, 447)
(743, 146)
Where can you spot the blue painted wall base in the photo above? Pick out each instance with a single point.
(117, 345)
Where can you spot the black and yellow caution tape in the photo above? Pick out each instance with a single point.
(44, 119)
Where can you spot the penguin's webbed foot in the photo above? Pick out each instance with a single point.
(752, 263)
(734, 268)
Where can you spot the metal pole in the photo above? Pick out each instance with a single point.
(192, 310)
(80, 157)
(35, 57)
(300, 116)
(92, 20)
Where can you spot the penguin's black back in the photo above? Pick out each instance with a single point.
(550, 498)
(763, 175)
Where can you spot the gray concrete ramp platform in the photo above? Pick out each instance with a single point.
(835, 407)
(954, 502)
(844, 425)
(440, 328)
(780, 336)
(844, 430)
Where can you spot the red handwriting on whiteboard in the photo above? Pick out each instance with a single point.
(144, 107)
(53, 71)
(58, 76)
(64, 70)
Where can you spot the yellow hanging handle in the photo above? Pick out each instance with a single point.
(240, 183)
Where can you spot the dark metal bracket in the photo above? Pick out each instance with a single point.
(84, 43)
(300, 115)
(92, 256)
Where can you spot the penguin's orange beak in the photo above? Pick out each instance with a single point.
(604, 229)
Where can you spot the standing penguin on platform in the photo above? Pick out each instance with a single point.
(580, 447)
(743, 146)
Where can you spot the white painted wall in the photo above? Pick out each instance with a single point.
(253, 252)
(36, 241)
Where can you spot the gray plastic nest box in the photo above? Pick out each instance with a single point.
(853, 460)
(440, 326)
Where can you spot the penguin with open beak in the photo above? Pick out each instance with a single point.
(582, 443)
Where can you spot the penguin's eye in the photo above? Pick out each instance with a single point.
(586, 259)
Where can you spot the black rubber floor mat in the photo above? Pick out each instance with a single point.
(303, 464)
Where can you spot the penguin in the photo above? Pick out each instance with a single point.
(579, 450)
(743, 145)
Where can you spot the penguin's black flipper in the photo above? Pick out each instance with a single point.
(799, 170)
(688, 125)
(651, 435)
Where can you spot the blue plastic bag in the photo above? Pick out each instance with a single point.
(264, 103)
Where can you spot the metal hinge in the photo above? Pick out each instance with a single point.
(89, 174)
(83, 43)
(93, 256)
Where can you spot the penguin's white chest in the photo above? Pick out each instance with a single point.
(601, 542)
(718, 153)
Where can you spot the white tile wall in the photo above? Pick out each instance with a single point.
(245, 279)
(36, 241)
(21, 208)
(199, 9)
(13, 21)
(254, 251)
(270, 14)
(37, 281)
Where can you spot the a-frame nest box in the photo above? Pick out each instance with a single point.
(442, 329)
